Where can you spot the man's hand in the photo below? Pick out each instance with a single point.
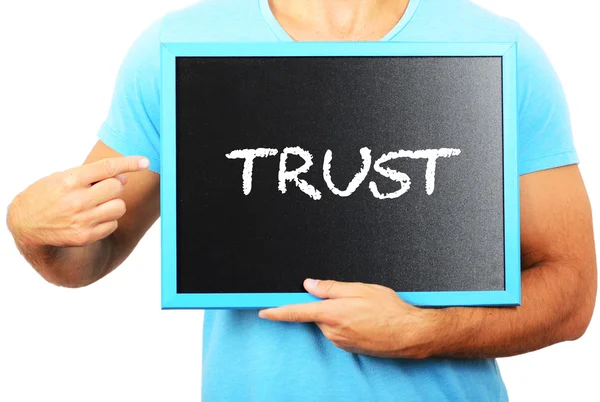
(74, 207)
(363, 318)
(65, 224)
(559, 283)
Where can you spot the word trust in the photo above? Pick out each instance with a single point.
(292, 176)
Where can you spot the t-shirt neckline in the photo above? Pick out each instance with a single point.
(282, 35)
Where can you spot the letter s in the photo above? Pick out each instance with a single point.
(399, 177)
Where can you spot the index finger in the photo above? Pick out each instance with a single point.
(110, 167)
(306, 312)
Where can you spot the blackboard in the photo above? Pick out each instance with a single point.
(266, 148)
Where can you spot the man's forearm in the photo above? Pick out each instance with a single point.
(556, 306)
(65, 266)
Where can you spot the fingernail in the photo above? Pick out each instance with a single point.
(261, 314)
(144, 163)
(312, 283)
(122, 178)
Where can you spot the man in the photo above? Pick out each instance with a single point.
(362, 343)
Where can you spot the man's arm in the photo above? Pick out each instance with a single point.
(559, 278)
(558, 291)
(71, 250)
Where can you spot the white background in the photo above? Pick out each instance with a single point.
(110, 341)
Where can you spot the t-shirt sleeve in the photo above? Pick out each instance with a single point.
(545, 137)
(132, 126)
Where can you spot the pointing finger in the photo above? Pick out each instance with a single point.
(307, 312)
(110, 167)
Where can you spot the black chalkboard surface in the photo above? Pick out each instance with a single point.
(377, 169)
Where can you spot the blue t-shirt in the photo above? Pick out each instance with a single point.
(247, 358)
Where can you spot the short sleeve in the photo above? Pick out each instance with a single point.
(545, 137)
(132, 126)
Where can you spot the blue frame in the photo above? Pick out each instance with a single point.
(170, 51)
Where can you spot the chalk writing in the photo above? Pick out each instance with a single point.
(285, 175)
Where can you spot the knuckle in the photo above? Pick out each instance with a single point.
(378, 288)
(340, 343)
(58, 177)
(68, 179)
(120, 207)
(133, 165)
(338, 338)
(319, 316)
(112, 227)
(328, 285)
(337, 345)
(74, 221)
(76, 205)
(115, 186)
(81, 238)
(333, 320)
(294, 316)
(107, 229)
(388, 291)
(108, 168)
(79, 226)
(332, 335)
